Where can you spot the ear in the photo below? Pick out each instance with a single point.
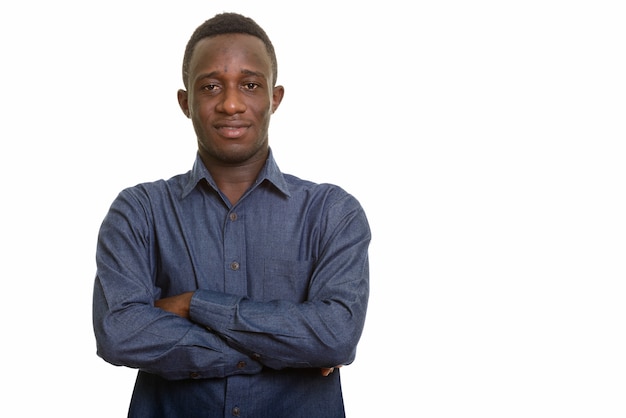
(183, 102)
(277, 96)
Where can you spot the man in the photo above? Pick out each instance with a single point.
(234, 289)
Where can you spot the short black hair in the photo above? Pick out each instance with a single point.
(225, 23)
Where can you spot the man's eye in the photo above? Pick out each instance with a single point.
(250, 86)
(209, 87)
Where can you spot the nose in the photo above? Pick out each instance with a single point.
(231, 102)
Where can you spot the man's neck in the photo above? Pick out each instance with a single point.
(234, 180)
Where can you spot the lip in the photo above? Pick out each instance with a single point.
(232, 129)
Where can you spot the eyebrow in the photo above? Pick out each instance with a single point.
(213, 74)
(253, 73)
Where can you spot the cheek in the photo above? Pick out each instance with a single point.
(202, 110)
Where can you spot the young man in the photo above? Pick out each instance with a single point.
(234, 289)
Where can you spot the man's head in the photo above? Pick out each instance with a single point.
(230, 90)
(226, 23)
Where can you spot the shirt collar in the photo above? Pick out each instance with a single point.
(270, 172)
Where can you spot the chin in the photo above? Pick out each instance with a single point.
(234, 152)
(238, 155)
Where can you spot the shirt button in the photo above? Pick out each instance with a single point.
(236, 411)
(241, 364)
(194, 375)
(234, 265)
(233, 216)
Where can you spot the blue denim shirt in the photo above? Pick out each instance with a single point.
(281, 285)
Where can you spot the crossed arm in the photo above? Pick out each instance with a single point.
(179, 305)
(206, 333)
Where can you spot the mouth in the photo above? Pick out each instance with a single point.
(232, 129)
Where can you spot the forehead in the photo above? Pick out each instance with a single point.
(230, 52)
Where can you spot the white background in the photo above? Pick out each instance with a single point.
(485, 140)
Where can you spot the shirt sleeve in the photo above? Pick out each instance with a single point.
(324, 330)
(130, 331)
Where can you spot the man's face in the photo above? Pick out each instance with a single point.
(230, 98)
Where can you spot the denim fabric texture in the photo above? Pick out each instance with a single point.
(281, 282)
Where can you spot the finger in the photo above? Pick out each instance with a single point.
(327, 370)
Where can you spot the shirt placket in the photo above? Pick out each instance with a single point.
(235, 283)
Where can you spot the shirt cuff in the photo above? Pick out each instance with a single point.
(214, 310)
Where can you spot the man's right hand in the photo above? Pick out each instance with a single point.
(328, 370)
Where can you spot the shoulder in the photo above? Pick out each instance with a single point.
(329, 207)
(157, 187)
(327, 194)
(153, 192)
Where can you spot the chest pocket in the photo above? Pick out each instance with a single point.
(286, 279)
